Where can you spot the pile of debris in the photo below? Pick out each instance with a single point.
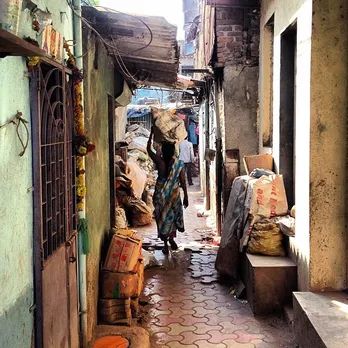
(135, 179)
(257, 218)
(137, 138)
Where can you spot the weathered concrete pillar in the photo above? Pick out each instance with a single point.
(328, 146)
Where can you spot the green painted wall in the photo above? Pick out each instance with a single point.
(16, 210)
(99, 82)
(16, 279)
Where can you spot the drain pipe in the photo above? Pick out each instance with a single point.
(82, 262)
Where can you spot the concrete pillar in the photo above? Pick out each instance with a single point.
(328, 146)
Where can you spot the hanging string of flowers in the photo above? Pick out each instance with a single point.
(82, 145)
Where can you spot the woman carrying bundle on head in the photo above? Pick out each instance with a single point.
(167, 201)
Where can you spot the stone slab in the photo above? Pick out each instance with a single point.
(260, 261)
(321, 319)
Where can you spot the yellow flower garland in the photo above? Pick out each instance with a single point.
(78, 126)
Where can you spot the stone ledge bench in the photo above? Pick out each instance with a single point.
(321, 319)
(269, 282)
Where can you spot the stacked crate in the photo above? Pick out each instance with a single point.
(122, 280)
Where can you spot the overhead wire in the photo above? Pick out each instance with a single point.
(140, 20)
(115, 49)
(84, 20)
(122, 64)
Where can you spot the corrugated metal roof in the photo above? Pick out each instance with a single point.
(156, 63)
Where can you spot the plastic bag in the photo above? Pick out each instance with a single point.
(150, 260)
(139, 143)
(287, 225)
(258, 172)
(138, 178)
(266, 241)
(137, 130)
(121, 220)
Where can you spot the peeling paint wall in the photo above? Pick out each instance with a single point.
(16, 208)
(99, 83)
(240, 110)
(16, 211)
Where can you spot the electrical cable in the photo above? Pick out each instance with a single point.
(114, 48)
(139, 19)
(121, 62)
(114, 11)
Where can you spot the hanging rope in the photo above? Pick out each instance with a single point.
(17, 120)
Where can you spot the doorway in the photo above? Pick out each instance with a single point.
(287, 110)
(55, 219)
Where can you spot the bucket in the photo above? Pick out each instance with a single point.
(10, 11)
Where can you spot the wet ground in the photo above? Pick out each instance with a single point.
(188, 308)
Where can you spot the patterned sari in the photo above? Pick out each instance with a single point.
(167, 201)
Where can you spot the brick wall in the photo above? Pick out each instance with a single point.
(237, 31)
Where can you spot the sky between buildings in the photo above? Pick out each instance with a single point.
(171, 10)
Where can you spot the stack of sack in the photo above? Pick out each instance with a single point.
(268, 222)
(266, 238)
(122, 279)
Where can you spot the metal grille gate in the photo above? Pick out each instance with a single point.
(55, 222)
(57, 160)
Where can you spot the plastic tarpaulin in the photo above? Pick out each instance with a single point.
(135, 112)
(227, 259)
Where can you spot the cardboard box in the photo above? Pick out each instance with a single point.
(115, 311)
(140, 272)
(115, 285)
(123, 254)
(134, 306)
(264, 161)
(119, 285)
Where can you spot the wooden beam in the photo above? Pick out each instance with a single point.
(12, 45)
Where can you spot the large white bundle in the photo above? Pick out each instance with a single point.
(168, 127)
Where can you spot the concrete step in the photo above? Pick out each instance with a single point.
(289, 314)
(269, 281)
(321, 319)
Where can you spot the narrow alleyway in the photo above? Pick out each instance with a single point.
(184, 312)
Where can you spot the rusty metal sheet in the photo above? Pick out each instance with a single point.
(60, 298)
(146, 45)
(55, 301)
(73, 305)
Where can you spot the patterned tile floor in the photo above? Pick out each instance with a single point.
(183, 312)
